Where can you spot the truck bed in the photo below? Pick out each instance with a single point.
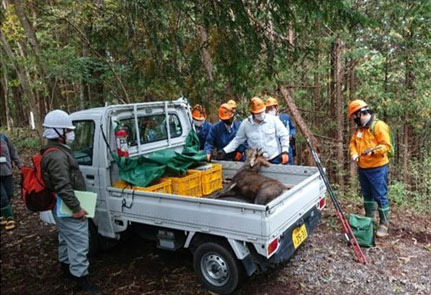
(231, 219)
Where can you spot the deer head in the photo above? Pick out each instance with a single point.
(255, 157)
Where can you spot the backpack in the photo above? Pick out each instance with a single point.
(391, 152)
(35, 195)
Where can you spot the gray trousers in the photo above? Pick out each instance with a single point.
(73, 243)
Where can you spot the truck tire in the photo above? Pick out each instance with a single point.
(217, 268)
(96, 242)
(93, 239)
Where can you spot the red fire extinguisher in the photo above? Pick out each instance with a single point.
(122, 147)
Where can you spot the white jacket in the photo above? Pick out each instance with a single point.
(270, 135)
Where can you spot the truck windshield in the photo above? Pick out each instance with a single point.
(82, 146)
(152, 128)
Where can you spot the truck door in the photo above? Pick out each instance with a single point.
(84, 150)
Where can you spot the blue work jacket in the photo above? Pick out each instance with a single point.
(203, 133)
(285, 118)
(219, 137)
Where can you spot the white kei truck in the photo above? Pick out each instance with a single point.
(230, 239)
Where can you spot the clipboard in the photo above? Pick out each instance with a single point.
(86, 199)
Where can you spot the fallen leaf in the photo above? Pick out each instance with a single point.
(404, 259)
(396, 241)
(116, 273)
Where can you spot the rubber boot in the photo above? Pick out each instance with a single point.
(66, 271)
(370, 208)
(382, 231)
(7, 214)
(7, 211)
(84, 285)
(10, 224)
(2, 221)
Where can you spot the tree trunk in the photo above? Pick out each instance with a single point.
(300, 123)
(290, 35)
(331, 88)
(409, 85)
(32, 39)
(406, 154)
(339, 112)
(316, 90)
(5, 92)
(352, 89)
(205, 56)
(25, 84)
(21, 117)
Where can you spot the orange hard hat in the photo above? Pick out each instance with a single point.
(257, 105)
(232, 104)
(198, 112)
(225, 112)
(271, 101)
(355, 106)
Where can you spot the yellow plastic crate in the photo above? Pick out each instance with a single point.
(188, 185)
(122, 184)
(211, 179)
(162, 185)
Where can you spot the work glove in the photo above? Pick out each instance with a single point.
(284, 158)
(208, 157)
(368, 152)
(355, 158)
(237, 156)
(221, 154)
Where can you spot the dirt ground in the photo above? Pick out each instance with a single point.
(324, 264)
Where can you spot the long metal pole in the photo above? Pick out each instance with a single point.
(348, 233)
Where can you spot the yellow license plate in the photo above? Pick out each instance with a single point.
(299, 235)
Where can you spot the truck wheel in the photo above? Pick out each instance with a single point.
(96, 242)
(217, 268)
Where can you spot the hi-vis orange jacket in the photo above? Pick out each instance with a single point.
(363, 139)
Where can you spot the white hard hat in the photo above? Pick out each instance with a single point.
(58, 119)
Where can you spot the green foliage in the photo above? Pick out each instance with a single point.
(419, 189)
(23, 139)
(155, 49)
(397, 192)
(28, 143)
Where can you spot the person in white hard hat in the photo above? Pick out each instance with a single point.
(61, 174)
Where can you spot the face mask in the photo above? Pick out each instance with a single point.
(272, 112)
(259, 117)
(357, 120)
(70, 137)
(198, 123)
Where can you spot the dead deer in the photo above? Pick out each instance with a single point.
(250, 184)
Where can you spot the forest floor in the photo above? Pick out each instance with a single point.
(323, 264)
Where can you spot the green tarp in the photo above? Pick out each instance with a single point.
(141, 171)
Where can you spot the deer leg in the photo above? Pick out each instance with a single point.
(231, 193)
(260, 197)
(227, 191)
